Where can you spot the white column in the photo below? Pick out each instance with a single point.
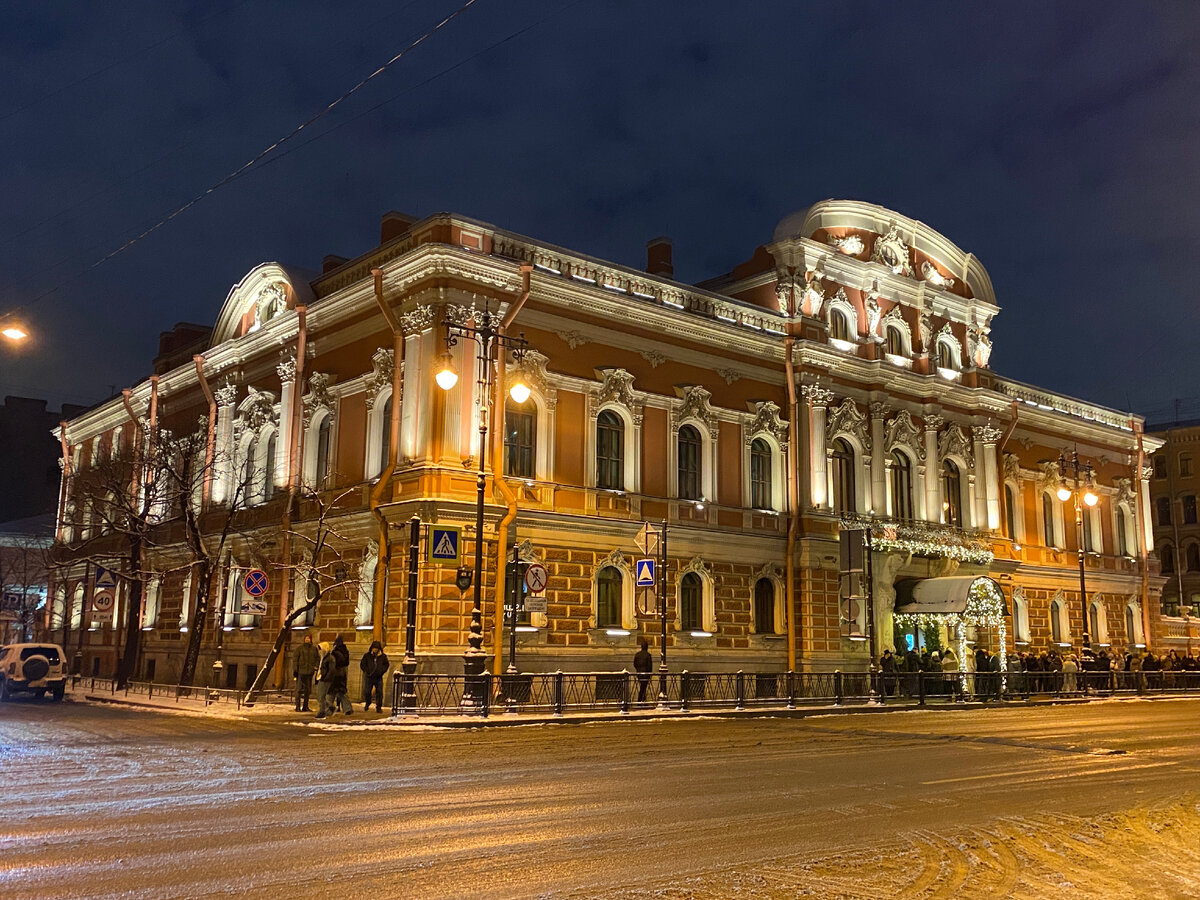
(933, 504)
(1147, 520)
(878, 468)
(986, 437)
(818, 399)
(283, 437)
(224, 462)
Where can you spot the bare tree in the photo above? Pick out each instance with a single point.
(24, 573)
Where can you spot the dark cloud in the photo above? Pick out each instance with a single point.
(1056, 141)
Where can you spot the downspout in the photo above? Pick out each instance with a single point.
(793, 501)
(384, 558)
(66, 476)
(510, 498)
(1008, 433)
(1143, 550)
(285, 553)
(206, 486)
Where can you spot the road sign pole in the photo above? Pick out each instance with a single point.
(408, 694)
(512, 613)
(662, 611)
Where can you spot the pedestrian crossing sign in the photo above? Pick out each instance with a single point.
(444, 547)
(105, 579)
(645, 573)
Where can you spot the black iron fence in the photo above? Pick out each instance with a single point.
(173, 692)
(557, 693)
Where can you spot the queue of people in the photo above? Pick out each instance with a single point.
(327, 665)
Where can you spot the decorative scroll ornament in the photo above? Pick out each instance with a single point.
(851, 244)
(901, 432)
(933, 422)
(533, 369)
(812, 301)
(614, 558)
(767, 419)
(892, 252)
(1012, 467)
(257, 410)
(770, 570)
(573, 339)
(816, 394)
(286, 369)
(931, 274)
(417, 319)
(653, 357)
(953, 442)
(527, 553)
(839, 297)
(730, 375)
(318, 398)
(695, 565)
(784, 285)
(989, 434)
(695, 405)
(617, 388)
(226, 394)
(1048, 474)
(979, 348)
(847, 419)
(382, 363)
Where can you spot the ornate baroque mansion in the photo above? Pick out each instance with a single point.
(839, 378)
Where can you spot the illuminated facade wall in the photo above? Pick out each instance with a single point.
(897, 419)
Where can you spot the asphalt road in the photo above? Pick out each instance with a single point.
(1080, 801)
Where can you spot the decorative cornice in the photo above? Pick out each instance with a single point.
(988, 434)
(417, 319)
(816, 394)
(767, 420)
(286, 367)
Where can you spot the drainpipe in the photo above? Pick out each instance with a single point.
(66, 476)
(1143, 550)
(1008, 433)
(285, 553)
(510, 498)
(206, 486)
(793, 501)
(384, 558)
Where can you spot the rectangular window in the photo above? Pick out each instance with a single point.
(520, 429)
(231, 673)
(610, 461)
(1185, 465)
(1088, 541)
(1189, 509)
(1160, 467)
(760, 475)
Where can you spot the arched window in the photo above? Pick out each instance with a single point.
(1166, 558)
(610, 456)
(268, 469)
(895, 341)
(760, 475)
(689, 463)
(1191, 557)
(1089, 538)
(844, 494)
(691, 602)
(1010, 512)
(764, 606)
(839, 325)
(608, 597)
(1123, 532)
(1133, 623)
(945, 356)
(901, 485)
(520, 440)
(1188, 502)
(1048, 520)
(1164, 510)
(952, 510)
(324, 438)
(1098, 619)
(1020, 617)
(385, 435)
(1058, 624)
(248, 486)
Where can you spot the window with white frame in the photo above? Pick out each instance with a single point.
(766, 598)
(900, 485)
(895, 344)
(77, 600)
(185, 603)
(842, 470)
(690, 458)
(319, 466)
(610, 451)
(609, 593)
(691, 602)
(1124, 530)
(761, 465)
(1134, 633)
(1060, 631)
(1020, 614)
(1098, 619)
(839, 325)
(379, 433)
(1011, 518)
(1051, 514)
(948, 355)
(1092, 541)
(520, 440)
(952, 494)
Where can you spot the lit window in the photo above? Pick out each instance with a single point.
(844, 495)
(691, 598)
(951, 494)
(839, 326)
(610, 458)
(764, 606)
(895, 341)
(520, 437)
(608, 598)
(901, 484)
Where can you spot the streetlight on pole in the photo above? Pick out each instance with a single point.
(491, 342)
(1087, 497)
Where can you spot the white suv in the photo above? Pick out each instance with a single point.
(32, 668)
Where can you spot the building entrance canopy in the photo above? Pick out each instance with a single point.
(956, 602)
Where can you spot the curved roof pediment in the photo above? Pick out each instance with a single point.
(894, 233)
(266, 290)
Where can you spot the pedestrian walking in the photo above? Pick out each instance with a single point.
(337, 681)
(324, 678)
(950, 676)
(1070, 669)
(304, 666)
(374, 665)
(643, 664)
(887, 664)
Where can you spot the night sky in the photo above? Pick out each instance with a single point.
(1056, 141)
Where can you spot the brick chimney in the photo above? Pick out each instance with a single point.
(394, 224)
(658, 257)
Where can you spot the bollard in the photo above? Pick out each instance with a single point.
(558, 693)
(920, 688)
(791, 689)
(625, 692)
(741, 690)
(837, 688)
(683, 689)
(485, 701)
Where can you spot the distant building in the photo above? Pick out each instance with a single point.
(24, 575)
(29, 455)
(839, 379)
(1174, 489)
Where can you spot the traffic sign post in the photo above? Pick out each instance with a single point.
(444, 547)
(651, 574)
(254, 585)
(103, 604)
(536, 578)
(645, 573)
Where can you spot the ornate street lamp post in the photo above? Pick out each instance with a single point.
(1087, 497)
(491, 343)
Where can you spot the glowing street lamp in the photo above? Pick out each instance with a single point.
(14, 332)
(1084, 494)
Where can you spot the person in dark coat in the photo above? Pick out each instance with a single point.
(887, 664)
(324, 679)
(643, 664)
(337, 683)
(304, 666)
(374, 665)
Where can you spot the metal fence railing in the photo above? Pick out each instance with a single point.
(557, 693)
(151, 690)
